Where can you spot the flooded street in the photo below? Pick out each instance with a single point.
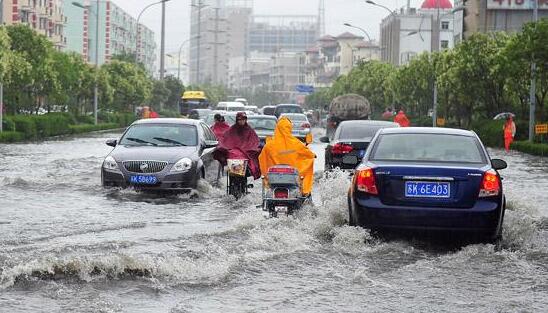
(68, 245)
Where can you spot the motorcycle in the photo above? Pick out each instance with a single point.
(237, 173)
(282, 191)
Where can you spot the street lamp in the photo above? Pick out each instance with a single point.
(363, 30)
(179, 59)
(388, 52)
(96, 87)
(137, 29)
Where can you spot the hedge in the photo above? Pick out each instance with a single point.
(86, 128)
(11, 136)
(531, 148)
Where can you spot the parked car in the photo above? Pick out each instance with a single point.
(287, 108)
(230, 117)
(264, 125)
(428, 179)
(199, 114)
(350, 141)
(161, 154)
(268, 110)
(301, 125)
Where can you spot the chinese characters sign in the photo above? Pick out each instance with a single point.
(516, 4)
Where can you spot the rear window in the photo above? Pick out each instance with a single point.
(295, 118)
(262, 123)
(428, 148)
(289, 109)
(269, 110)
(356, 131)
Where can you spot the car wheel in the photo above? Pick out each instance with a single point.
(351, 219)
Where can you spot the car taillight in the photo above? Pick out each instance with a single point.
(305, 125)
(365, 181)
(281, 193)
(341, 148)
(490, 186)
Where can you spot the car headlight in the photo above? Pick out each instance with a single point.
(183, 165)
(110, 164)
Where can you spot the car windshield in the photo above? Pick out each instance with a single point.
(262, 123)
(357, 131)
(229, 119)
(160, 135)
(428, 148)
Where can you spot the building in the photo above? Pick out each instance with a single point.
(44, 16)
(494, 15)
(275, 33)
(412, 31)
(118, 33)
(218, 32)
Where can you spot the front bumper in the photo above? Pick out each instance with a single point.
(484, 217)
(166, 181)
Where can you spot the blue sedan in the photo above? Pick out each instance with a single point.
(428, 179)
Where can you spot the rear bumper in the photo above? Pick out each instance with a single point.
(485, 217)
(167, 182)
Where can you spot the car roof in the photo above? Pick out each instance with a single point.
(231, 103)
(368, 122)
(428, 130)
(288, 104)
(258, 116)
(184, 121)
(293, 114)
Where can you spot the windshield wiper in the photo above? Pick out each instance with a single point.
(167, 140)
(140, 141)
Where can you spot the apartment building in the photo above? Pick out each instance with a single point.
(44, 16)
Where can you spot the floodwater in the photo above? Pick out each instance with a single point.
(68, 245)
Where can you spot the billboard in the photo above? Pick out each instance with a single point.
(516, 4)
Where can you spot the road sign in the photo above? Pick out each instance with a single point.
(304, 88)
(440, 121)
(541, 129)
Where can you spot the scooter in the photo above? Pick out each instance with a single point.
(282, 191)
(236, 183)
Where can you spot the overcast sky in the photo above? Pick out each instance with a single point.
(355, 12)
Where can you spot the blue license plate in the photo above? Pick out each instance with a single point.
(143, 179)
(427, 189)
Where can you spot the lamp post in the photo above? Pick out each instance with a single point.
(137, 27)
(179, 59)
(532, 91)
(363, 30)
(96, 87)
(390, 44)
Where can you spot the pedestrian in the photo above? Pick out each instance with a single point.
(402, 119)
(509, 129)
(220, 126)
(387, 115)
(153, 114)
(145, 112)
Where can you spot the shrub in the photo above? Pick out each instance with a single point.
(11, 136)
(8, 124)
(490, 132)
(25, 124)
(531, 148)
(84, 119)
(85, 128)
(52, 124)
(169, 114)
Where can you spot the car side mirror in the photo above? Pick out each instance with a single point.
(324, 139)
(112, 142)
(211, 144)
(498, 164)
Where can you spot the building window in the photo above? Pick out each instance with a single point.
(445, 44)
(444, 25)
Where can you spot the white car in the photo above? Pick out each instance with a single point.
(252, 108)
(230, 106)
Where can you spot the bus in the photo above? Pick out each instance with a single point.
(193, 100)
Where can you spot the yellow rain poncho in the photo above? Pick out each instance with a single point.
(283, 148)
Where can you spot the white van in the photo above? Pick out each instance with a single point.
(230, 106)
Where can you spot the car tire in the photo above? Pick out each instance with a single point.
(351, 219)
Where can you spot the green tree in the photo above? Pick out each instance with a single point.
(160, 94)
(130, 84)
(176, 90)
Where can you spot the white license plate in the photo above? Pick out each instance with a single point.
(280, 209)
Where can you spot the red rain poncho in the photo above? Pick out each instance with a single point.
(219, 129)
(401, 119)
(240, 141)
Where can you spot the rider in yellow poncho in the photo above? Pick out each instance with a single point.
(284, 148)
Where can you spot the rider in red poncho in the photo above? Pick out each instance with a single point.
(401, 119)
(220, 127)
(240, 141)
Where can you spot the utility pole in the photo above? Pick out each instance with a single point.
(199, 7)
(532, 91)
(163, 44)
(215, 49)
(96, 87)
(436, 48)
